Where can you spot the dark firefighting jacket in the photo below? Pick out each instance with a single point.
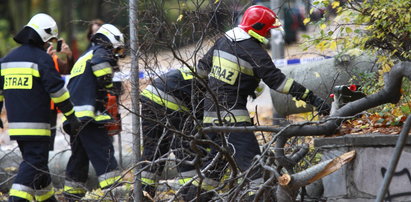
(234, 65)
(28, 81)
(172, 90)
(90, 79)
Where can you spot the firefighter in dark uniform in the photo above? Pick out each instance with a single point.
(235, 65)
(91, 79)
(28, 81)
(167, 107)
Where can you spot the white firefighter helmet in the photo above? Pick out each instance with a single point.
(113, 34)
(44, 25)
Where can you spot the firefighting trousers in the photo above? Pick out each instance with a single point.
(243, 147)
(94, 145)
(33, 179)
(158, 123)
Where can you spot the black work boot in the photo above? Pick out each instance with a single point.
(149, 192)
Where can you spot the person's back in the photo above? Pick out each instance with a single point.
(28, 82)
(24, 70)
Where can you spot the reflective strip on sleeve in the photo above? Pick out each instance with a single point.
(102, 117)
(233, 116)
(69, 112)
(60, 96)
(84, 111)
(285, 86)
(22, 191)
(45, 193)
(305, 94)
(163, 99)
(102, 69)
(19, 68)
(1, 98)
(108, 179)
(207, 184)
(29, 128)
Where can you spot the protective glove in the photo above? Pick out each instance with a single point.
(75, 124)
(322, 107)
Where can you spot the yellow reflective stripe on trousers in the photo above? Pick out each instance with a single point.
(21, 194)
(73, 190)
(62, 98)
(29, 132)
(147, 181)
(182, 181)
(207, 184)
(45, 196)
(155, 98)
(109, 181)
(233, 116)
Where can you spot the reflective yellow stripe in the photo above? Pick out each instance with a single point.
(147, 181)
(1, 98)
(109, 85)
(109, 181)
(85, 113)
(69, 112)
(182, 181)
(102, 117)
(21, 194)
(28, 132)
(234, 119)
(20, 71)
(45, 196)
(305, 94)
(186, 73)
(285, 86)
(102, 72)
(73, 190)
(163, 102)
(227, 64)
(61, 98)
(80, 66)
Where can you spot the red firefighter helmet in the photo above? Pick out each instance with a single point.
(260, 19)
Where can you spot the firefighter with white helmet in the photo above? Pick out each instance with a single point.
(235, 65)
(28, 81)
(91, 80)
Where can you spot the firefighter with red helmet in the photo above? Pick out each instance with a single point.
(91, 80)
(235, 64)
(28, 81)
